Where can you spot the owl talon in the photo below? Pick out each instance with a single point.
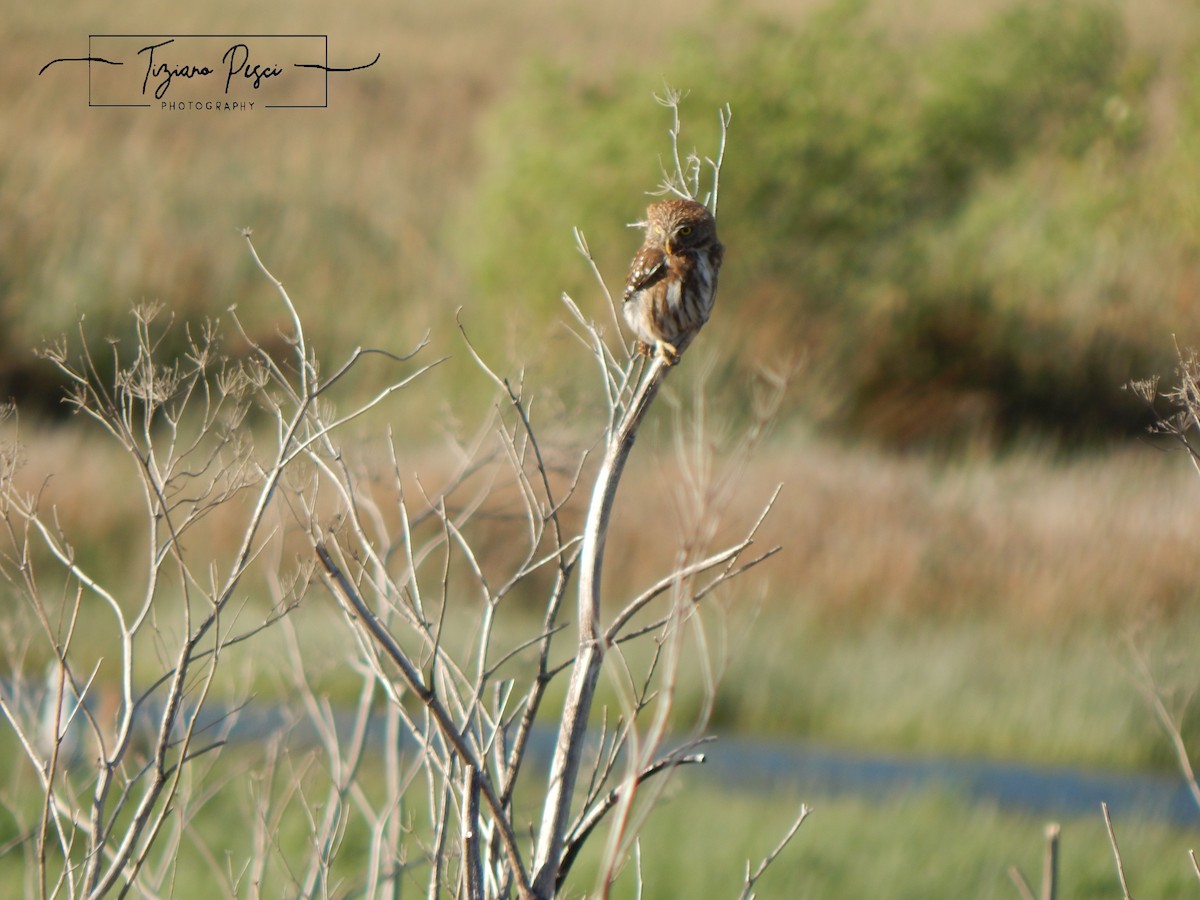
(644, 349)
(669, 354)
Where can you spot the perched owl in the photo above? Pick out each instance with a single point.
(672, 280)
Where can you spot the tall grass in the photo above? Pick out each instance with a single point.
(982, 606)
(978, 607)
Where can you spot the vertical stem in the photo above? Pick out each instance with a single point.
(1050, 863)
(472, 862)
(568, 751)
(1112, 839)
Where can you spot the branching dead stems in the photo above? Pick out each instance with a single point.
(248, 455)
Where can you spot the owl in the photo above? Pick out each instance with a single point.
(672, 280)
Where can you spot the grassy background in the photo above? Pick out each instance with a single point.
(974, 225)
(850, 848)
(899, 845)
(970, 224)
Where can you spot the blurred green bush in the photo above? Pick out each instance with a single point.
(967, 236)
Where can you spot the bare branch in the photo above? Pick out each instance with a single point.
(1112, 839)
(472, 863)
(1154, 697)
(752, 878)
(564, 768)
(418, 589)
(1019, 882)
(412, 677)
(595, 815)
(582, 246)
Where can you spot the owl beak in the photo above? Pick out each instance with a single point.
(670, 247)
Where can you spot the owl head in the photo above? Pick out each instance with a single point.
(680, 225)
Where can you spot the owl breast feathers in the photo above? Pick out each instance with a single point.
(672, 280)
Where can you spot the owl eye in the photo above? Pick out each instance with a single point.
(685, 230)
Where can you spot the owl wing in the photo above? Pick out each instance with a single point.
(648, 266)
(716, 255)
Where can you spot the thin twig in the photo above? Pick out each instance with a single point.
(594, 816)
(1019, 882)
(1112, 839)
(752, 877)
(582, 246)
(1153, 696)
(446, 726)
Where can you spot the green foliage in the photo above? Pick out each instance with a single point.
(962, 219)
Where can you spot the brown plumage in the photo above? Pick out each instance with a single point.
(672, 280)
